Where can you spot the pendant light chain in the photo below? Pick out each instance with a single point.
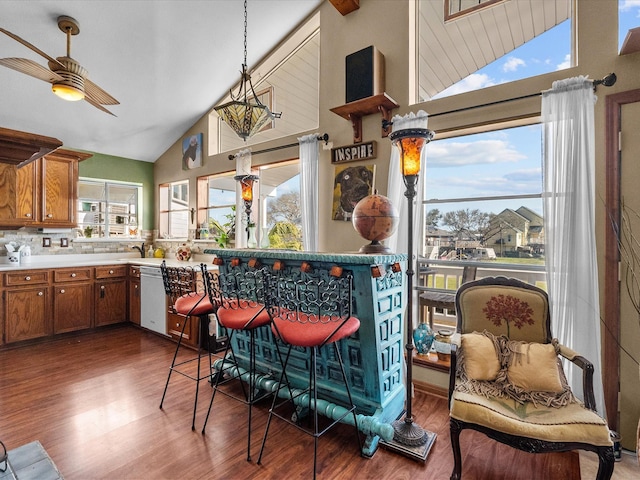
(245, 32)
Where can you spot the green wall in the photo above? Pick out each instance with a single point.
(107, 167)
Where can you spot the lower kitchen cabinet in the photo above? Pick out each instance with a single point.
(72, 299)
(72, 305)
(26, 305)
(27, 314)
(134, 295)
(110, 295)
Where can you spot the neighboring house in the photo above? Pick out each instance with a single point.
(514, 230)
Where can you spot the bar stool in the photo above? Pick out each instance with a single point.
(310, 312)
(239, 295)
(187, 297)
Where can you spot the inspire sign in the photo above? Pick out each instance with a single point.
(350, 153)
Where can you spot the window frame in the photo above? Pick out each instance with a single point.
(170, 213)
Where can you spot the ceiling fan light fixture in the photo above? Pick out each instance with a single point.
(67, 92)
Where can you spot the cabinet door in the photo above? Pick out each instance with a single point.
(134, 301)
(26, 313)
(111, 302)
(18, 202)
(72, 307)
(59, 194)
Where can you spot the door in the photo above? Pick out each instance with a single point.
(26, 312)
(72, 305)
(59, 190)
(630, 275)
(111, 302)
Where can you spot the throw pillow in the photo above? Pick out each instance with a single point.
(534, 367)
(480, 357)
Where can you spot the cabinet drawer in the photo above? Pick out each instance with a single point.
(26, 277)
(72, 274)
(111, 272)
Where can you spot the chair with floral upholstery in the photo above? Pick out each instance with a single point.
(507, 379)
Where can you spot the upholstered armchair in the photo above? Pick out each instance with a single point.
(507, 379)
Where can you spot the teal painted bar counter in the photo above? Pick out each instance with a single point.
(373, 356)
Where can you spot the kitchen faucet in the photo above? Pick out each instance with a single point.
(140, 249)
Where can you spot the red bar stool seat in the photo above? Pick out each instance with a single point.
(187, 297)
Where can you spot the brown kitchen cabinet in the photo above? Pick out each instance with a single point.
(26, 305)
(110, 295)
(174, 329)
(42, 193)
(134, 294)
(72, 299)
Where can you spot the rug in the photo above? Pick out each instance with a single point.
(30, 462)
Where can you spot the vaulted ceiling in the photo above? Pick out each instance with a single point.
(168, 62)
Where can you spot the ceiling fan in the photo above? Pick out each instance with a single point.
(67, 77)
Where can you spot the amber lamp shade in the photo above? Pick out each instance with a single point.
(247, 189)
(410, 143)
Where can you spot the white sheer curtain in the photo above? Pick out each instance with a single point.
(309, 158)
(397, 243)
(569, 222)
(243, 167)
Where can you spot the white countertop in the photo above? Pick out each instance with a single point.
(95, 259)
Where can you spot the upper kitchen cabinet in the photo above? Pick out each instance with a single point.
(42, 193)
(20, 148)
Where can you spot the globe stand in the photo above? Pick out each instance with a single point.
(375, 247)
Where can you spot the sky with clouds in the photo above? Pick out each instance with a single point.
(506, 162)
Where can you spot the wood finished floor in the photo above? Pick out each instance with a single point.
(92, 401)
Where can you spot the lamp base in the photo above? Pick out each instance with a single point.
(374, 247)
(411, 440)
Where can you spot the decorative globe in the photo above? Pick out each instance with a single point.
(375, 218)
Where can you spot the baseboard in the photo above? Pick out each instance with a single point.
(430, 389)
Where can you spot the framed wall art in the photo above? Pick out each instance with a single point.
(351, 184)
(192, 151)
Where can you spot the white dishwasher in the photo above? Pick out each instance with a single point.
(153, 312)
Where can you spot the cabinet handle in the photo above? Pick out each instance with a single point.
(49, 215)
(62, 291)
(27, 278)
(28, 215)
(135, 286)
(101, 291)
(40, 294)
(73, 275)
(110, 272)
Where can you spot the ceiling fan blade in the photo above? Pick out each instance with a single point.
(30, 46)
(29, 67)
(97, 94)
(97, 105)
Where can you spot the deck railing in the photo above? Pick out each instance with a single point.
(447, 274)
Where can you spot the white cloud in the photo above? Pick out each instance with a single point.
(475, 81)
(455, 154)
(512, 64)
(627, 5)
(566, 63)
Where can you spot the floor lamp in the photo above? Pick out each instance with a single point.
(410, 438)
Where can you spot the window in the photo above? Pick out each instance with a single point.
(456, 8)
(474, 51)
(275, 210)
(108, 209)
(174, 210)
(483, 208)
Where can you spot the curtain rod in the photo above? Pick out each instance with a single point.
(321, 138)
(607, 81)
